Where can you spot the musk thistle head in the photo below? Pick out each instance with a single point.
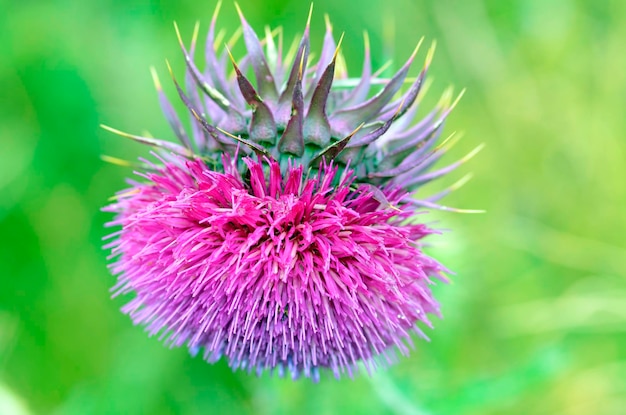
(280, 232)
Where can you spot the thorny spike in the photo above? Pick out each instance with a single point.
(194, 37)
(430, 54)
(292, 140)
(301, 67)
(348, 83)
(293, 47)
(448, 108)
(430, 205)
(169, 112)
(449, 142)
(194, 112)
(308, 19)
(455, 186)
(417, 48)
(204, 142)
(272, 33)
(458, 98)
(333, 150)
(262, 125)
(270, 47)
(382, 69)
(166, 145)
(234, 38)
(418, 137)
(316, 127)
(341, 68)
(211, 130)
(328, 45)
(214, 70)
(280, 50)
(286, 97)
(423, 178)
(472, 153)
(423, 137)
(115, 160)
(425, 88)
(446, 96)
(379, 196)
(423, 158)
(338, 47)
(345, 118)
(258, 149)
(216, 12)
(275, 53)
(123, 195)
(414, 163)
(264, 77)
(219, 39)
(359, 93)
(155, 79)
(374, 135)
(213, 93)
(411, 96)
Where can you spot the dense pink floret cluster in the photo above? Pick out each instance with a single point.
(273, 271)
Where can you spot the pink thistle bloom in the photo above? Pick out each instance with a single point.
(283, 271)
(281, 233)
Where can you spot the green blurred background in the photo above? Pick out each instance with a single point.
(535, 316)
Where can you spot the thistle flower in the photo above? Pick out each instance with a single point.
(280, 233)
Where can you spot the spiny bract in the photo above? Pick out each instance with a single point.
(280, 232)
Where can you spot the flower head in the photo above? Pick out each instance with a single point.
(280, 233)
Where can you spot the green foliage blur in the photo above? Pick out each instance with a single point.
(535, 315)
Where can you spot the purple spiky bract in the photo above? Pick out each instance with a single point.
(282, 233)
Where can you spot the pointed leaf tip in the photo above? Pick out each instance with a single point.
(234, 38)
(308, 20)
(258, 149)
(262, 125)
(458, 98)
(169, 68)
(178, 36)
(338, 47)
(430, 54)
(232, 59)
(239, 12)
(264, 77)
(166, 145)
(155, 79)
(292, 140)
(194, 36)
(462, 181)
(301, 65)
(333, 150)
(436, 206)
(316, 125)
(472, 153)
(216, 12)
(213, 92)
(345, 119)
(296, 73)
(168, 109)
(417, 48)
(329, 26)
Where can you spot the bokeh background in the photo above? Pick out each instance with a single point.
(535, 317)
